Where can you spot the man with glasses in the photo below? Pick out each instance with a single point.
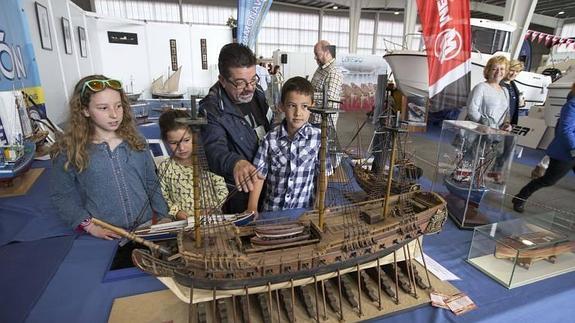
(238, 118)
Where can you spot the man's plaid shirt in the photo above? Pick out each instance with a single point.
(328, 76)
(290, 167)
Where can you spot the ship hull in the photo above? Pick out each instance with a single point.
(211, 284)
(372, 183)
(344, 243)
(22, 165)
(464, 192)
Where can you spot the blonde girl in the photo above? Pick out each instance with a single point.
(101, 165)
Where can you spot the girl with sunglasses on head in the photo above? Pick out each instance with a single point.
(101, 165)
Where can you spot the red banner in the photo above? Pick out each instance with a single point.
(447, 34)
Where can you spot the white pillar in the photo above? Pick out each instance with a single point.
(558, 31)
(354, 17)
(375, 30)
(181, 11)
(521, 13)
(409, 19)
(320, 25)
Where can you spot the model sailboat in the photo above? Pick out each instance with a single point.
(405, 173)
(17, 152)
(168, 89)
(467, 180)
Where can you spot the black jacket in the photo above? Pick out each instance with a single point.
(227, 137)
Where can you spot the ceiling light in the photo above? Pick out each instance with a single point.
(335, 7)
(396, 13)
(561, 13)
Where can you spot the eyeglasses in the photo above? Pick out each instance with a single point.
(241, 84)
(100, 85)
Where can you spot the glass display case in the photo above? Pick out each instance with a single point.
(522, 251)
(473, 165)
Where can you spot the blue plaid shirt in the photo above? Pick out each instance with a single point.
(290, 167)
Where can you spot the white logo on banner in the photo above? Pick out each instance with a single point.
(447, 44)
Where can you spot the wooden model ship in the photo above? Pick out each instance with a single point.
(405, 173)
(222, 256)
(531, 247)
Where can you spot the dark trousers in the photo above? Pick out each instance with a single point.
(505, 155)
(556, 170)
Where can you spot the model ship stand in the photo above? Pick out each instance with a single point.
(345, 297)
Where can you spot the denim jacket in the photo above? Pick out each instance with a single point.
(116, 187)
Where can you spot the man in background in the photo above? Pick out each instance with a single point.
(327, 77)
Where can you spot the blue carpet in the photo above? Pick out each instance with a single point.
(26, 270)
(76, 293)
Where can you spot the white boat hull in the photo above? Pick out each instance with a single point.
(558, 92)
(411, 75)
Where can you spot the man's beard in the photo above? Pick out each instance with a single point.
(246, 98)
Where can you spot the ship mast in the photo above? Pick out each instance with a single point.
(325, 117)
(393, 131)
(195, 124)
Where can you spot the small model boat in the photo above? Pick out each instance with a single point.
(168, 89)
(467, 181)
(405, 173)
(528, 248)
(16, 157)
(16, 160)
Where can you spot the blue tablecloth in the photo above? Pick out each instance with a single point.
(73, 288)
(32, 216)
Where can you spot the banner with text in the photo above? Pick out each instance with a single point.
(18, 67)
(251, 14)
(447, 35)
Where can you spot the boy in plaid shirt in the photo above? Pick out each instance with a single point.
(288, 157)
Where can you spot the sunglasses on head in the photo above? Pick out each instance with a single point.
(100, 85)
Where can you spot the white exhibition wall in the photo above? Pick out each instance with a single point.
(135, 65)
(58, 71)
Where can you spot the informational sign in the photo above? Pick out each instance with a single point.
(415, 113)
(18, 66)
(118, 37)
(447, 34)
(529, 131)
(174, 55)
(204, 53)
